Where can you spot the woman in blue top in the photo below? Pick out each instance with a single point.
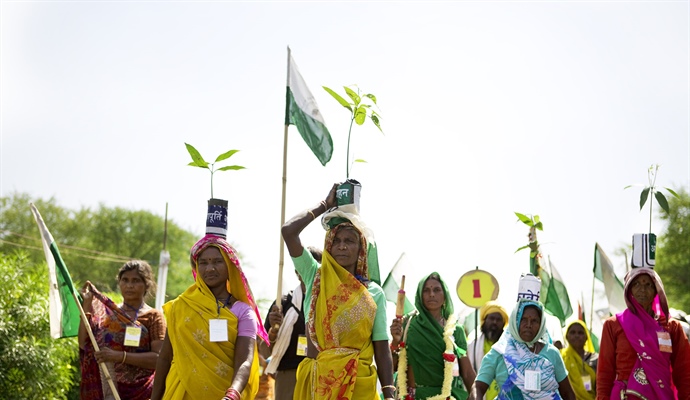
(523, 363)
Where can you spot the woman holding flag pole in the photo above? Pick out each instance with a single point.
(129, 336)
(431, 347)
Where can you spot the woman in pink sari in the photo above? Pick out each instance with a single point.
(644, 354)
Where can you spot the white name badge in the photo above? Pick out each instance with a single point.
(665, 343)
(218, 330)
(456, 368)
(301, 345)
(587, 381)
(132, 336)
(533, 380)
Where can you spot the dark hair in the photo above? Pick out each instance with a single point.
(145, 272)
(435, 276)
(316, 253)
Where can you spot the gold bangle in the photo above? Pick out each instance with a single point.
(388, 386)
(312, 214)
(124, 356)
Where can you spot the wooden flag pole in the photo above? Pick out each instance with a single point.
(400, 305)
(104, 368)
(281, 259)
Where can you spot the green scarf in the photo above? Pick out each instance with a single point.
(425, 346)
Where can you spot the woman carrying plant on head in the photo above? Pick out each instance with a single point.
(129, 336)
(431, 346)
(346, 326)
(580, 360)
(644, 354)
(523, 363)
(209, 350)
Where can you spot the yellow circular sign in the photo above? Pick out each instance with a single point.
(476, 287)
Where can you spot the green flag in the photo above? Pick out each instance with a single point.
(554, 294)
(63, 308)
(302, 111)
(603, 271)
(391, 285)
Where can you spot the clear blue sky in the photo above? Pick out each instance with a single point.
(546, 108)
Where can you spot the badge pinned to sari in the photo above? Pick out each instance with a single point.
(109, 324)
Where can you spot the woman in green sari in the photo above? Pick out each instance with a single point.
(431, 347)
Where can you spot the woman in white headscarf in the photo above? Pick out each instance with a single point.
(523, 362)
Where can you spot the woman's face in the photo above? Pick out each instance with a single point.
(643, 290)
(529, 324)
(576, 336)
(212, 267)
(432, 295)
(345, 248)
(132, 287)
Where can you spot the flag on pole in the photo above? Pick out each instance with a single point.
(390, 285)
(63, 309)
(554, 294)
(603, 271)
(302, 111)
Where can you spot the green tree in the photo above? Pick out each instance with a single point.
(95, 243)
(673, 252)
(32, 364)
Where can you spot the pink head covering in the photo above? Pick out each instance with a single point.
(660, 303)
(237, 283)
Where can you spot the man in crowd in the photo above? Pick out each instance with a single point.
(494, 318)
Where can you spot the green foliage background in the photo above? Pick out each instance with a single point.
(673, 253)
(32, 364)
(96, 243)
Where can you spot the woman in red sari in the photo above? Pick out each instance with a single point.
(644, 354)
(131, 359)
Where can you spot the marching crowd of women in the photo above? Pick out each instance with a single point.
(330, 338)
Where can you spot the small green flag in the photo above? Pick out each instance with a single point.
(302, 111)
(554, 294)
(391, 287)
(63, 309)
(603, 271)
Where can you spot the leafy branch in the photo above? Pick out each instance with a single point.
(653, 190)
(360, 109)
(534, 223)
(198, 161)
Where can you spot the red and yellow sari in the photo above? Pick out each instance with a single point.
(340, 325)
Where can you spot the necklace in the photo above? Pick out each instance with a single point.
(448, 360)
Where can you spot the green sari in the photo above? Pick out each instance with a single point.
(425, 347)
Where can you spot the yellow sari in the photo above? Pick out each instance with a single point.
(577, 368)
(202, 369)
(340, 324)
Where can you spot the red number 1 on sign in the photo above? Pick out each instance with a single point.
(477, 292)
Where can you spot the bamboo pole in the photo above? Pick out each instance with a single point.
(104, 368)
(281, 259)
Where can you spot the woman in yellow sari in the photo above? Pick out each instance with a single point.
(346, 327)
(209, 351)
(580, 361)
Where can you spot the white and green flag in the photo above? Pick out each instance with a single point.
(603, 270)
(63, 308)
(302, 111)
(391, 286)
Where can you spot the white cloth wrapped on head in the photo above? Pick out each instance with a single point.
(349, 212)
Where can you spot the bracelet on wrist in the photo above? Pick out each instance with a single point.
(232, 394)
